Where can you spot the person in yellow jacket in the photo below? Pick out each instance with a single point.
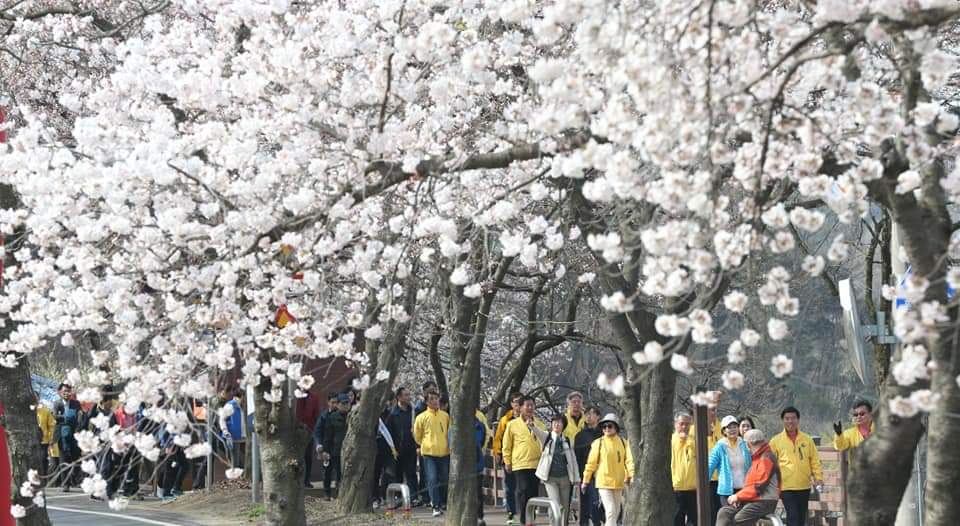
(574, 417)
(47, 425)
(683, 469)
(611, 461)
(862, 429)
(799, 463)
(522, 445)
(509, 479)
(430, 432)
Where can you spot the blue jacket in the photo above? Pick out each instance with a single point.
(234, 425)
(720, 460)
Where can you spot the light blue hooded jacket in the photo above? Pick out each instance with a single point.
(720, 461)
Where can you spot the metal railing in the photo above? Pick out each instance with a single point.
(771, 520)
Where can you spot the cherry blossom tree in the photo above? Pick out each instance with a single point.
(235, 158)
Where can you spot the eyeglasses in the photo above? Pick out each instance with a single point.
(864, 413)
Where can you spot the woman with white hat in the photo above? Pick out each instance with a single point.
(558, 466)
(731, 458)
(611, 461)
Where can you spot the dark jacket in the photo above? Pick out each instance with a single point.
(320, 426)
(95, 411)
(581, 445)
(400, 424)
(334, 431)
(68, 416)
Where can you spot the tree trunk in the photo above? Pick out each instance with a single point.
(23, 436)
(469, 321)
(282, 444)
(648, 421)
(360, 445)
(464, 400)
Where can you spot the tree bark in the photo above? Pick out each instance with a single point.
(282, 443)
(16, 393)
(360, 445)
(23, 437)
(464, 399)
(469, 320)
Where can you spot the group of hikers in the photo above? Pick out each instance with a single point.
(59, 428)
(579, 452)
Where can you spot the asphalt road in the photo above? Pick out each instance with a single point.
(76, 509)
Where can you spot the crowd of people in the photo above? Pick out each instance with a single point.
(60, 426)
(579, 453)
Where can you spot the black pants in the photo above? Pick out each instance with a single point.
(384, 470)
(331, 473)
(172, 470)
(308, 463)
(686, 508)
(407, 471)
(714, 502)
(528, 487)
(795, 502)
(44, 460)
(590, 509)
(69, 470)
(131, 472)
(480, 494)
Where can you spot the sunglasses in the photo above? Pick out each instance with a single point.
(609, 426)
(864, 413)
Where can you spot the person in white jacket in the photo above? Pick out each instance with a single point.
(558, 468)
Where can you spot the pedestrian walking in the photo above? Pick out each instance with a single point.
(761, 486)
(683, 470)
(67, 413)
(400, 424)
(308, 410)
(430, 431)
(47, 425)
(428, 387)
(509, 479)
(611, 462)
(799, 464)
(730, 459)
(335, 430)
(558, 468)
(521, 453)
(590, 509)
(862, 427)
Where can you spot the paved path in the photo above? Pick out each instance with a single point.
(72, 509)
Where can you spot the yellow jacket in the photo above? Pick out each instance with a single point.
(47, 424)
(521, 448)
(430, 431)
(850, 438)
(486, 427)
(611, 460)
(798, 461)
(572, 428)
(501, 429)
(683, 462)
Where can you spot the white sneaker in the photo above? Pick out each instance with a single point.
(437, 512)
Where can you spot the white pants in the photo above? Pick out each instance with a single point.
(612, 500)
(558, 490)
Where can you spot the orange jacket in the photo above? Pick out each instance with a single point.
(763, 479)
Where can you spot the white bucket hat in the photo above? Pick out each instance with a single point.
(611, 418)
(727, 420)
